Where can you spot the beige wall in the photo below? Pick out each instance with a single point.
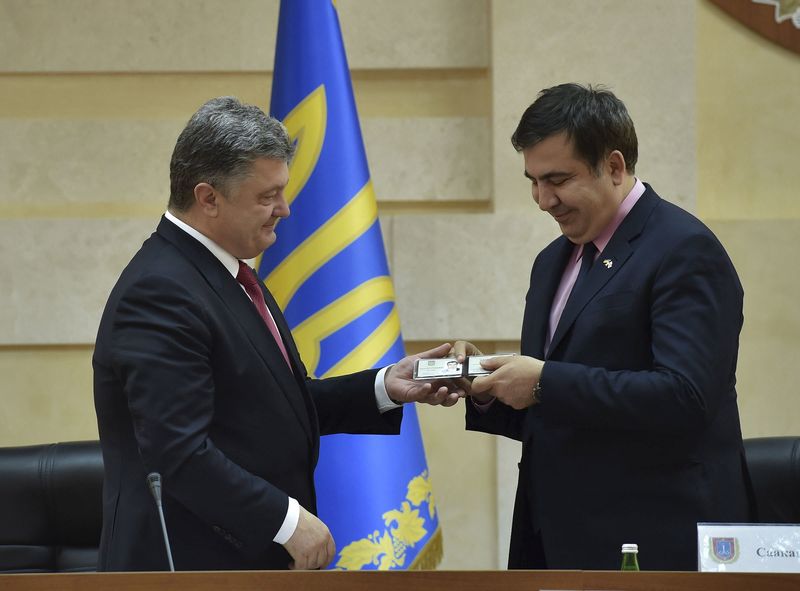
(93, 93)
(748, 155)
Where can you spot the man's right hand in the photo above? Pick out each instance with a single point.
(311, 545)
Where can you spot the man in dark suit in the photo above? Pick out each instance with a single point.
(196, 376)
(623, 396)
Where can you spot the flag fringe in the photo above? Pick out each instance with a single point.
(431, 555)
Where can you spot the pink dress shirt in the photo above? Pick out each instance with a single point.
(573, 266)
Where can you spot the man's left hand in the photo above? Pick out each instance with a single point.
(402, 388)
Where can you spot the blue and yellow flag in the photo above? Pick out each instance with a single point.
(329, 274)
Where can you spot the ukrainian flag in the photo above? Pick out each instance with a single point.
(329, 274)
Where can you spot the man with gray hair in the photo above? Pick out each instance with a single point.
(196, 376)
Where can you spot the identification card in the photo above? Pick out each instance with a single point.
(449, 368)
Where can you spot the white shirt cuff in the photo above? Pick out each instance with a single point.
(289, 522)
(381, 395)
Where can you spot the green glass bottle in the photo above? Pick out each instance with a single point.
(630, 560)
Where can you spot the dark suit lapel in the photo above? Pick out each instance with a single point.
(294, 356)
(544, 284)
(243, 311)
(608, 263)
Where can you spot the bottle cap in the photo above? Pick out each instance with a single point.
(630, 548)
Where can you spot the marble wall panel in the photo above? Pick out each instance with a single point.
(642, 49)
(120, 36)
(57, 274)
(769, 346)
(508, 455)
(465, 275)
(748, 124)
(121, 95)
(46, 395)
(416, 33)
(63, 163)
(431, 158)
(473, 286)
(378, 93)
(460, 465)
(92, 167)
(229, 35)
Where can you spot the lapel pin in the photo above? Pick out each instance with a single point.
(608, 263)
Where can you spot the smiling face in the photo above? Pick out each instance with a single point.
(582, 201)
(246, 214)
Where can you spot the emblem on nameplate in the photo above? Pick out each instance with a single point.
(724, 549)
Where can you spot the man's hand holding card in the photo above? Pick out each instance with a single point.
(470, 366)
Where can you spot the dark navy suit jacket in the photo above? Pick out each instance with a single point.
(638, 437)
(188, 382)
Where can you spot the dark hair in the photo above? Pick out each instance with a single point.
(594, 119)
(218, 146)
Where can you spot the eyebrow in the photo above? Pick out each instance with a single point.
(270, 190)
(548, 176)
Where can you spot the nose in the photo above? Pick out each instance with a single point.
(546, 197)
(281, 209)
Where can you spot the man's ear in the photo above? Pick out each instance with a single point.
(615, 164)
(206, 198)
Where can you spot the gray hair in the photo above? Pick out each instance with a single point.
(218, 146)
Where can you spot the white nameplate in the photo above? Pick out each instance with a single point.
(748, 548)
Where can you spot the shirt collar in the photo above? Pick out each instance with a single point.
(622, 211)
(230, 262)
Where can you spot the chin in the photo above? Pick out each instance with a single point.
(569, 234)
(573, 233)
(267, 242)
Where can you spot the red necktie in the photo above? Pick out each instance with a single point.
(251, 285)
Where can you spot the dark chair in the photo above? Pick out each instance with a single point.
(51, 507)
(774, 467)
